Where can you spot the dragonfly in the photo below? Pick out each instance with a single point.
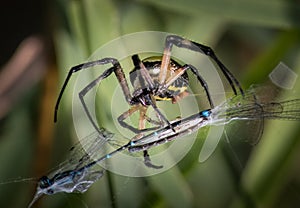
(246, 107)
(81, 170)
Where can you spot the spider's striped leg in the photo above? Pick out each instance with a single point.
(85, 90)
(165, 62)
(142, 127)
(122, 81)
(144, 77)
(125, 115)
(203, 83)
(147, 159)
(132, 110)
(116, 69)
(184, 43)
(159, 123)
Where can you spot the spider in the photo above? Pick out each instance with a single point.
(153, 79)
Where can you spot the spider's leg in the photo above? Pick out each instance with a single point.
(165, 62)
(184, 43)
(125, 115)
(159, 114)
(143, 111)
(159, 123)
(229, 76)
(116, 68)
(203, 83)
(145, 76)
(85, 90)
(122, 81)
(147, 160)
(144, 117)
(128, 113)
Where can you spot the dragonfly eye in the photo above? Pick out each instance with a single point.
(205, 113)
(45, 182)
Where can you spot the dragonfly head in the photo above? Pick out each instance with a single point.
(45, 182)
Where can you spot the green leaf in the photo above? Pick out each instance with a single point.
(280, 14)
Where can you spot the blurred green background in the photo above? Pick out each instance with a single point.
(41, 41)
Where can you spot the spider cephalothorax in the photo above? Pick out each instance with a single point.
(176, 89)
